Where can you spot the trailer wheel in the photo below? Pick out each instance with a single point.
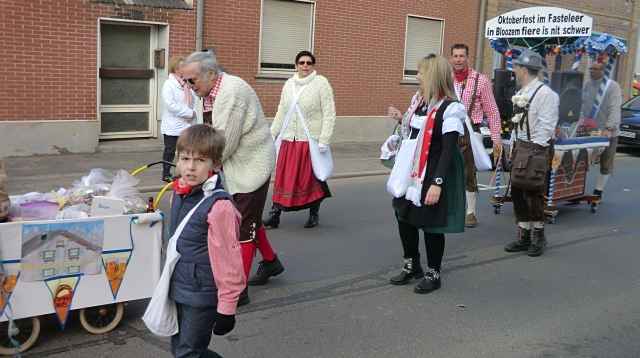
(26, 337)
(101, 319)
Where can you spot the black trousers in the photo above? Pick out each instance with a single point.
(434, 244)
(195, 329)
(169, 153)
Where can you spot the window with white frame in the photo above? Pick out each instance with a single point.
(287, 28)
(48, 272)
(73, 254)
(48, 255)
(424, 36)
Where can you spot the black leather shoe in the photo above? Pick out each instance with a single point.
(313, 221)
(429, 283)
(538, 243)
(410, 271)
(273, 221)
(244, 297)
(265, 270)
(523, 242)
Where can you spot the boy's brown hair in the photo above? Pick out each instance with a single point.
(204, 140)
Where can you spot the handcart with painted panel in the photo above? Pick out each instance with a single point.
(578, 144)
(91, 265)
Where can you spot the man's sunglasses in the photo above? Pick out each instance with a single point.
(190, 81)
(308, 63)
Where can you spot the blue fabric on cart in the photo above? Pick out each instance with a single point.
(581, 142)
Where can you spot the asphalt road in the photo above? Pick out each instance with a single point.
(580, 299)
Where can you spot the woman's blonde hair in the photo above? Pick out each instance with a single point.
(437, 82)
(174, 63)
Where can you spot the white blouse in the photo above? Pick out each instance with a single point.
(452, 121)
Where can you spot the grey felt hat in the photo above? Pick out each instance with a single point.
(529, 59)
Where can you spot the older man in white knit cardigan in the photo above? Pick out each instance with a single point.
(249, 154)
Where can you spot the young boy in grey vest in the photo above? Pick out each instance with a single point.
(209, 276)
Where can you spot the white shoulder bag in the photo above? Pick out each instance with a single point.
(481, 158)
(161, 315)
(322, 162)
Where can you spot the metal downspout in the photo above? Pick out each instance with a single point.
(199, 24)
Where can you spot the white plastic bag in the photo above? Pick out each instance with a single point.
(400, 176)
(161, 316)
(124, 186)
(480, 156)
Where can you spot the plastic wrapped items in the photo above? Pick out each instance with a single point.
(96, 183)
(78, 211)
(38, 210)
(124, 187)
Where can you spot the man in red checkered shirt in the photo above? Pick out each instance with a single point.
(475, 92)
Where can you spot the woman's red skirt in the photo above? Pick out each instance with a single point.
(296, 187)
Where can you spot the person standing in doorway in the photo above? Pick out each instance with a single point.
(249, 153)
(178, 112)
(296, 187)
(474, 91)
(608, 118)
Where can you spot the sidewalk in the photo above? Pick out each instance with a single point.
(50, 172)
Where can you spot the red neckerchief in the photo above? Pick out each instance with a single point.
(211, 98)
(462, 74)
(185, 189)
(181, 189)
(426, 141)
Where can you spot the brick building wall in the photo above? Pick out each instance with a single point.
(616, 17)
(49, 63)
(48, 73)
(359, 47)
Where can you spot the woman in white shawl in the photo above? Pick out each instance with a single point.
(296, 187)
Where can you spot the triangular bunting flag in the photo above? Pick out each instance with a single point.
(9, 275)
(62, 289)
(115, 265)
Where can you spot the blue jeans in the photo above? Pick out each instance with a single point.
(194, 335)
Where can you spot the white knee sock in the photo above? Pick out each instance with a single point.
(471, 202)
(525, 225)
(602, 181)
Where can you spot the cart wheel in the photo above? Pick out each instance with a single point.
(551, 219)
(29, 331)
(594, 208)
(101, 319)
(496, 210)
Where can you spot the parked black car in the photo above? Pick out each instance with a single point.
(630, 124)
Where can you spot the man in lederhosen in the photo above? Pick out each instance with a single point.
(475, 92)
(542, 117)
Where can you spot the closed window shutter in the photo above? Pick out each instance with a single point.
(424, 36)
(286, 30)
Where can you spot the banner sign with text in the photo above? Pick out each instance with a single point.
(539, 22)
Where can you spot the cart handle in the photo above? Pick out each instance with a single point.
(145, 167)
